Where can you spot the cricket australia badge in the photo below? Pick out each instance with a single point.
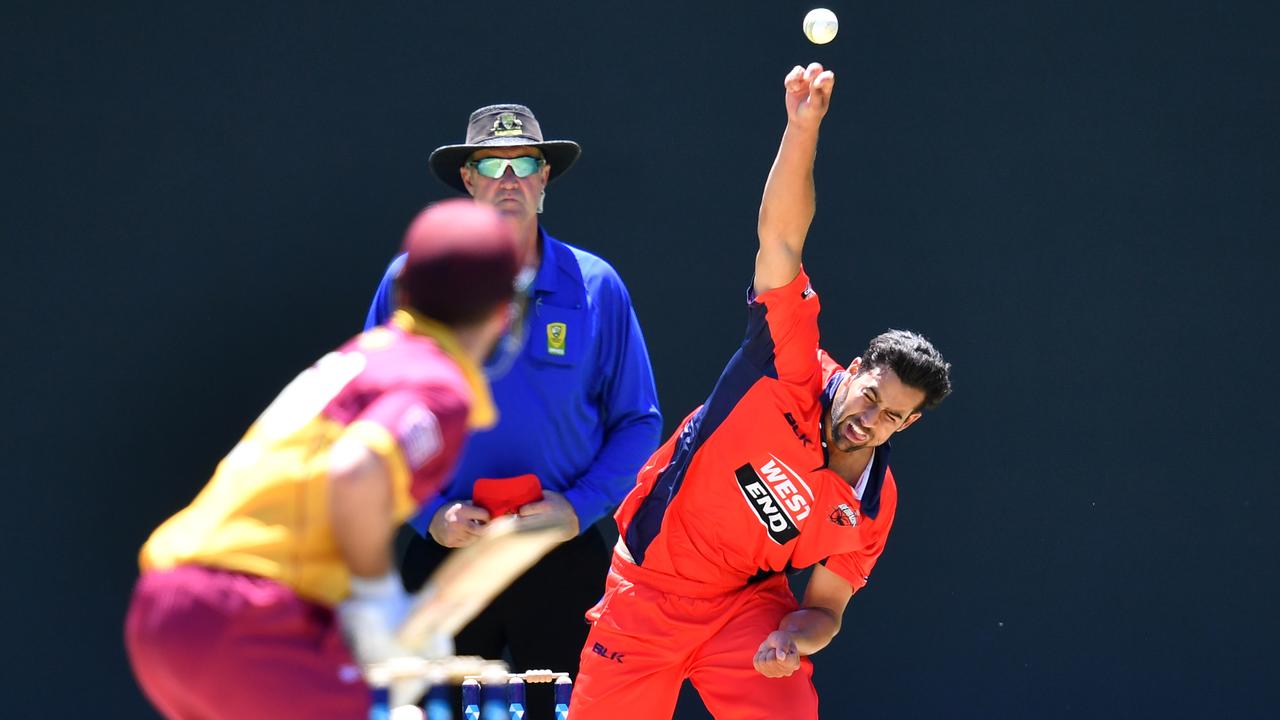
(507, 125)
(555, 338)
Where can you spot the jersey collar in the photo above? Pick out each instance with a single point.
(828, 397)
(870, 501)
(483, 414)
(558, 272)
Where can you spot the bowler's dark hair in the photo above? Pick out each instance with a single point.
(914, 360)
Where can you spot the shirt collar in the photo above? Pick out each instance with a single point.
(545, 280)
(828, 397)
(876, 469)
(483, 414)
(870, 500)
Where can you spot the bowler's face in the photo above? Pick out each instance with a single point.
(871, 405)
(514, 197)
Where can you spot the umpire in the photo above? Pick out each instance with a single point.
(577, 406)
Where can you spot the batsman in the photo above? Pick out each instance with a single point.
(263, 597)
(785, 466)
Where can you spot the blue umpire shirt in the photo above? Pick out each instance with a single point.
(580, 412)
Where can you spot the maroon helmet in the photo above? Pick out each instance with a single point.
(462, 262)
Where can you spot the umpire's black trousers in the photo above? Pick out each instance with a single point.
(537, 623)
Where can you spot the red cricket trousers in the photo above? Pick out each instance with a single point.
(650, 632)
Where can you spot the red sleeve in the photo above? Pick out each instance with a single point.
(782, 332)
(855, 566)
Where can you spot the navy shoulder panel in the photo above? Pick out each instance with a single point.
(738, 377)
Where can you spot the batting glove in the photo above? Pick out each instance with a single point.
(370, 616)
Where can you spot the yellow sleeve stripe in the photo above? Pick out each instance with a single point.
(380, 440)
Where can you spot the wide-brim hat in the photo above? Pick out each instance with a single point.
(502, 126)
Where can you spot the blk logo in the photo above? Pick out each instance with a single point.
(795, 428)
(603, 652)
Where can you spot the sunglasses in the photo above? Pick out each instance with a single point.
(494, 167)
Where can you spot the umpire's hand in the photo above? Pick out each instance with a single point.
(778, 655)
(553, 503)
(458, 524)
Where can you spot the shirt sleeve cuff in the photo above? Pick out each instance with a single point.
(856, 580)
(781, 293)
(422, 519)
(586, 505)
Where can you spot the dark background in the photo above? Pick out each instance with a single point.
(1076, 200)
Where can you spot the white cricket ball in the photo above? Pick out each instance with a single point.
(820, 26)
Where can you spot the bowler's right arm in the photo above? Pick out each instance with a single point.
(788, 203)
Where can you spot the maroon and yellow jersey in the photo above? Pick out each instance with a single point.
(404, 389)
(742, 489)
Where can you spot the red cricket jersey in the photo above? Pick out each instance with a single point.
(741, 489)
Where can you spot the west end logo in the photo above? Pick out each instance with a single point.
(555, 338)
(772, 493)
(507, 125)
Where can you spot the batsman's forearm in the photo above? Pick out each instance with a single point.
(787, 207)
(811, 628)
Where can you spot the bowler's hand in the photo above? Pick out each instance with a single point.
(778, 655)
(458, 524)
(552, 502)
(808, 94)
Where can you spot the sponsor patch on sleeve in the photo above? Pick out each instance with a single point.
(418, 433)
